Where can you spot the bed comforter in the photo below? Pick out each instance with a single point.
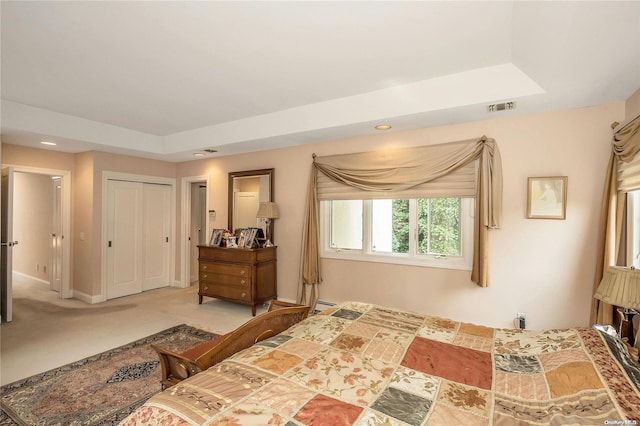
(362, 364)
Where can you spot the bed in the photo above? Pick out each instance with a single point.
(364, 364)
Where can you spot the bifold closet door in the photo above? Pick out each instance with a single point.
(125, 204)
(156, 231)
(138, 229)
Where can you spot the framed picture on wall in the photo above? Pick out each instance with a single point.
(547, 197)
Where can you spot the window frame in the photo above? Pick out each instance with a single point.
(633, 228)
(367, 254)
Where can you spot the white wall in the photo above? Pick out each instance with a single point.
(541, 267)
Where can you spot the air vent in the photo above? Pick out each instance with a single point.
(210, 150)
(505, 106)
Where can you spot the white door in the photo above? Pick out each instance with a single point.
(245, 209)
(7, 243)
(155, 234)
(55, 279)
(124, 238)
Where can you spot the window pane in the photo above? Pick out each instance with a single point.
(390, 226)
(439, 226)
(346, 224)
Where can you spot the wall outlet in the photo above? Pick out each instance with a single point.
(522, 320)
(37, 267)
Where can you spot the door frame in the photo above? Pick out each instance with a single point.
(106, 177)
(185, 220)
(66, 288)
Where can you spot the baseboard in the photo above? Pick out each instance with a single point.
(31, 277)
(84, 297)
(179, 284)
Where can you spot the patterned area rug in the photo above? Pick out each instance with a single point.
(100, 390)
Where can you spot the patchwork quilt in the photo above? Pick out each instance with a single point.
(363, 364)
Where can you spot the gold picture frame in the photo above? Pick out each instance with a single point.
(547, 197)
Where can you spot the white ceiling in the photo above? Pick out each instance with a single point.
(165, 79)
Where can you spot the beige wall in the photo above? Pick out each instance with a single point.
(84, 236)
(33, 201)
(541, 267)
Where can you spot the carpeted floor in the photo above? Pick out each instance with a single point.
(100, 390)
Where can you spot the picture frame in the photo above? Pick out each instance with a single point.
(216, 237)
(547, 197)
(242, 238)
(250, 238)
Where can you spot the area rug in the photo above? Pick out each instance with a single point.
(100, 390)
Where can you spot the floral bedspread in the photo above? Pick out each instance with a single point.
(362, 364)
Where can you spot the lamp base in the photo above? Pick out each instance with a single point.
(628, 315)
(268, 244)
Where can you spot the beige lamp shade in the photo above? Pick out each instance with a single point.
(620, 287)
(268, 210)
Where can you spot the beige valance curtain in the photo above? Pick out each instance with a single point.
(424, 170)
(621, 177)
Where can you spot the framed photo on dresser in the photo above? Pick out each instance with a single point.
(216, 237)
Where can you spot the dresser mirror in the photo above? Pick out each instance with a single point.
(247, 190)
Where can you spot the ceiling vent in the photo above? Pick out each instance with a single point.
(505, 106)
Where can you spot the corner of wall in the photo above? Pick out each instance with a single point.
(632, 106)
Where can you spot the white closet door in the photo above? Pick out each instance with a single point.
(124, 235)
(156, 231)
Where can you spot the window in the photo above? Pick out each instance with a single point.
(435, 232)
(633, 228)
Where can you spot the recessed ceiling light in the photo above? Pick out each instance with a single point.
(48, 143)
(199, 154)
(383, 127)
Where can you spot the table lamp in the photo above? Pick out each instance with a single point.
(268, 211)
(621, 287)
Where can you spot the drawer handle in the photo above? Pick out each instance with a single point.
(242, 282)
(205, 276)
(206, 287)
(243, 294)
(204, 267)
(241, 272)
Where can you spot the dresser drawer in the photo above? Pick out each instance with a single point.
(226, 292)
(226, 269)
(234, 280)
(245, 276)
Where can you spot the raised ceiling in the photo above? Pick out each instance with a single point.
(165, 79)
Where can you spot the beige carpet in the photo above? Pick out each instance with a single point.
(47, 332)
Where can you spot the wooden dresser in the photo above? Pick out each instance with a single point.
(245, 276)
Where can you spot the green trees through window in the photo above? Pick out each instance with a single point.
(438, 226)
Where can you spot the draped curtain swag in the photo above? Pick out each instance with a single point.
(402, 170)
(624, 147)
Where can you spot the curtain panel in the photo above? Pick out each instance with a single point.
(623, 174)
(405, 173)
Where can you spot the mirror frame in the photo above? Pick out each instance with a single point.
(247, 173)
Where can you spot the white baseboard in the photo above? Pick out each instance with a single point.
(179, 284)
(31, 277)
(84, 297)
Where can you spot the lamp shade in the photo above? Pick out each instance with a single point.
(620, 287)
(268, 210)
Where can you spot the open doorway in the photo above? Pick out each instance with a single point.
(195, 225)
(38, 226)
